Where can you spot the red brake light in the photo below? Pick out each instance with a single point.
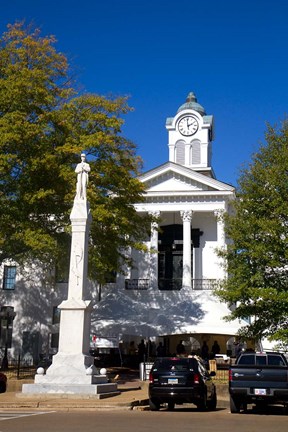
(151, 379)
(196, 379)
(230, 375)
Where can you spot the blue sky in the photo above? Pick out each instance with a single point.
(232, 54)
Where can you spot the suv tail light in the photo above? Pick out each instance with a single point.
(151, 379)
(196, 379)
(230, 375)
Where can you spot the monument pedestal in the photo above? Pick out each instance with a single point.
(100, 388)
(72, 372)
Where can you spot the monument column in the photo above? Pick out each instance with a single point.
(75, 311)
(187, 276)
(72, 370)
(74, 334)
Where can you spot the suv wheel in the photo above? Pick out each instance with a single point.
(202, 404)
(154, 405)
(171, 406)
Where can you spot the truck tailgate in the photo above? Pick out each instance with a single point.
(264, 376)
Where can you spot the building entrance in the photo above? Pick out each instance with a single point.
(170, 257)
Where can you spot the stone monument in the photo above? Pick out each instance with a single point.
(72, 370)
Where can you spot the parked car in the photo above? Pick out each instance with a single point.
(258, 378)
(3, 382)
(178, 380)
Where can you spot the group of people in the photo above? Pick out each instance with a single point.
(143, 351)
(205, 352)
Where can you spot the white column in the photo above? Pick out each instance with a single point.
(187, 154)
(220, 228)
(171, 152)
(187, 276)
(221, 240)
(154, 251)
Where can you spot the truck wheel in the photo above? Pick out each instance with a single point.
(234, 405)
(154, 405)
(212, 403)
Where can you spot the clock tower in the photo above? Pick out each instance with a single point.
(190, 133)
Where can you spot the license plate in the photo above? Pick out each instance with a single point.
(172, 380)
(260, 392)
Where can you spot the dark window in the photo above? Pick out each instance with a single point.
(275, 360)
(7, 316)
(56, 315)
(177, 364)
(55, 340)
(260, 360)
(9, 278)
(247, 360)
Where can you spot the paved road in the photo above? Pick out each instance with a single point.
(180, 419)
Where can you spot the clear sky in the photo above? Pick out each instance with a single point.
(232, 54)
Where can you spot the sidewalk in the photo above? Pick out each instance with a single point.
(133, 395)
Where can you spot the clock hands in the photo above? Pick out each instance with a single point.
(190, 124)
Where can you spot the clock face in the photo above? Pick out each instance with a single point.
(188, 125)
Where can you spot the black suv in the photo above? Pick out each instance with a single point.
(178, 380)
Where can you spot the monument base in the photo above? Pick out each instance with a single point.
(70, 374)
(70, 390)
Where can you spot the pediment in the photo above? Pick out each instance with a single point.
(172, 177)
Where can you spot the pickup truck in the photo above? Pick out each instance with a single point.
(258, 378)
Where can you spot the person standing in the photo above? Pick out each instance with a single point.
(205, 351)
(180, 349)
(215, 348)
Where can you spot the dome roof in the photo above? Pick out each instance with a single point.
(191, 103)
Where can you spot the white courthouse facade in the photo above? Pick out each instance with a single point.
(168, 294)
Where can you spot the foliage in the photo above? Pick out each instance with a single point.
(45, 124)
(257, 257)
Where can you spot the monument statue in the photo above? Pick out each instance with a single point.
(82, 170)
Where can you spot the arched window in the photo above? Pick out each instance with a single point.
(196, 153)
(180, 152)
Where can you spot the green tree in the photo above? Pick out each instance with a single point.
(45, 124)
(257, 257)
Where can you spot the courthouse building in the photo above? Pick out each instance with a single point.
(168, 294)
(169, 291)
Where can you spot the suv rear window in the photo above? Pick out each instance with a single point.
(177, 364)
